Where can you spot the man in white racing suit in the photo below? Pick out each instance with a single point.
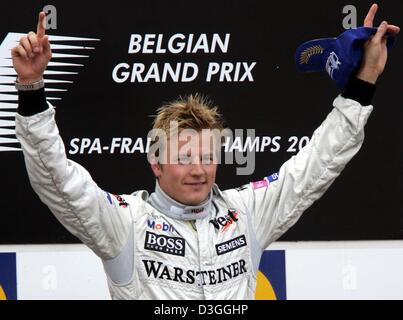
(188, 239)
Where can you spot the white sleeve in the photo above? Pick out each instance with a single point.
(97, 218)
(277, 202)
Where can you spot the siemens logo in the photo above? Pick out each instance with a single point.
(231, 245)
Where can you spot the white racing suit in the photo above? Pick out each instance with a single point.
(148, 251)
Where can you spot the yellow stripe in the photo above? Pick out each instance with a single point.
(264, 289)
(2, 294)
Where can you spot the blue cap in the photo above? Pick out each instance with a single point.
(339, 57)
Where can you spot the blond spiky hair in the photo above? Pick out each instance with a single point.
(190, 112)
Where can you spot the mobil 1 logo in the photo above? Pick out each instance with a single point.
(165, 244)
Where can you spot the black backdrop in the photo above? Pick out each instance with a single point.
(365, 202)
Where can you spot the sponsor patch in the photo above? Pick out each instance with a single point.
(265, 182)
(223, 223)
(160, 270)
(108, 196)
(260, 184)
(196, 211)
(231, 245)
(122, 202)
(165, 244)
(160, 226)
(273, 177)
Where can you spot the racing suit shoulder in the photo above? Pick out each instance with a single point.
(277, 202)
(230, 198)
(97, 218)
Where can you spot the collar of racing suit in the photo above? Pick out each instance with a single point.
(176, 210)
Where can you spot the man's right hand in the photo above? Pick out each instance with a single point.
(31, 56)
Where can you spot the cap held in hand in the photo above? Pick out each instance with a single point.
(340, 57)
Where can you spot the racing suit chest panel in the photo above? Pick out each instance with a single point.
(225, 256)
(174, 260)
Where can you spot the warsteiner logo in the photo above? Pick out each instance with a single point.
(56, 77)
(159, 270)
(223, 223)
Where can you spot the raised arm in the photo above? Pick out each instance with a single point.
(100, 220)
(276, 203)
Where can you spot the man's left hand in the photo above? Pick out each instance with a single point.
(375, 50)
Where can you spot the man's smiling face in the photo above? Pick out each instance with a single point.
(189, 178)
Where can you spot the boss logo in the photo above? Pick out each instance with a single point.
(165, 244)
